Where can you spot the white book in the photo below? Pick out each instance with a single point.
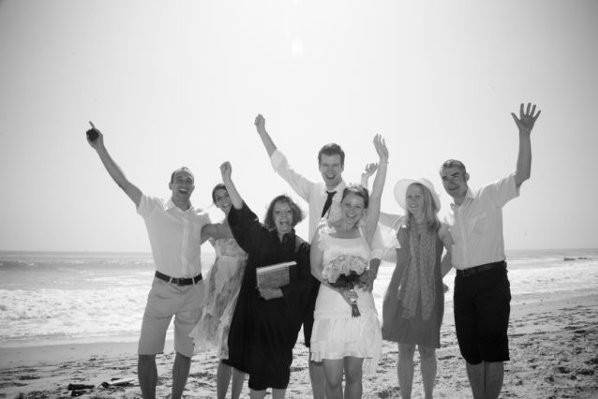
(274, 276)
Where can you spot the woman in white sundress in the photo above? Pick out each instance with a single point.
(341, 341)
(222, 289)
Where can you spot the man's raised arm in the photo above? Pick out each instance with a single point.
(260, 125)
(96, 140)
(300, 184)
(525, 124)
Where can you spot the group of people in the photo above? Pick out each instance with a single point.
(254, 329)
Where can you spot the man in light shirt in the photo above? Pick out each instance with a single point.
(174, 228)
(482, 295)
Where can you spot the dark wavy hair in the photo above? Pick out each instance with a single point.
(297, 212)
(332, 149)
(358, 190)
(219, 186)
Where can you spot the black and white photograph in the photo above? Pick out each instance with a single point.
(298, 199)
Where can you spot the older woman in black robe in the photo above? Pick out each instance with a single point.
(266, 321)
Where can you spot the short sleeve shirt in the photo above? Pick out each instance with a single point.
(175, 236)
(477, 227)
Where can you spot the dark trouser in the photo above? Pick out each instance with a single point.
(482, 305)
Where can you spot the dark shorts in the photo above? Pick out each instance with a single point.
(482, 306)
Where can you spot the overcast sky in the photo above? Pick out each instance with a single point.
(179, 83)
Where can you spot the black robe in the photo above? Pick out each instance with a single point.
(263, 333)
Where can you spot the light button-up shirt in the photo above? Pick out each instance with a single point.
(313, 193)
(476, 225)
(175, 236)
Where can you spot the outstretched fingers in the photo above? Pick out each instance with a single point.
(380, 146)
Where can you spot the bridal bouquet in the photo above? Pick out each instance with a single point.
(344, 272)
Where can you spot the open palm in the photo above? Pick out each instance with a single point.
(526, 119)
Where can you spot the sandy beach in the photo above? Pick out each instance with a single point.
(554, 354)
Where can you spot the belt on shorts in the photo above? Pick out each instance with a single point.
(482, 268)
(178, 281)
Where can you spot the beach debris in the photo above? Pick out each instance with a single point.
(80, 389)
(119, 382)
(77, 387)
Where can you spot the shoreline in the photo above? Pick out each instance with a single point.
(554, 353)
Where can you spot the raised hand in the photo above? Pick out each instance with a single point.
(260, 123)
(226, 171)
(369, 170)
(95, 138)
(526, 119)
(381, 149)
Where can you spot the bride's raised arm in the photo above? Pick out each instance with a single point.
(377, 189)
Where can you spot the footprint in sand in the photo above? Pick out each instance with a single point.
(29, 377)
(563, 369)
(389, 393)
(446, 357)
(201, 374)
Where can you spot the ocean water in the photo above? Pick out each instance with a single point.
(52, 298)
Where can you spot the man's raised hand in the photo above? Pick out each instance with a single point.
(94, 136)
(260, 123)
(526, 119)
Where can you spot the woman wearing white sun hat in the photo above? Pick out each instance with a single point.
(414, 301)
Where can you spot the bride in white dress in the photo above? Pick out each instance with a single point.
(341, 341)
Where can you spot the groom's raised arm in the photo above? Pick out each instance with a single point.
(96, 140)
(298, 183)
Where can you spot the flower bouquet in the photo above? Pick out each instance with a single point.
(345, 272)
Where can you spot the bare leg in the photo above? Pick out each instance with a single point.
(238, 380)
(253, 394)
(180, 372)
(353, 377)
(318, 380)
(475, 374)
(333, 371)
(493, 375)
(222, 380)
(406, 369)
(148, 375)
(278, 393)
(427, 358)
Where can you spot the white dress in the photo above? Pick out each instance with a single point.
(336, 333)
(223, 284)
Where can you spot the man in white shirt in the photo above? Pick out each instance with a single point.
(324, 201)
(482, 295)
(175, 232)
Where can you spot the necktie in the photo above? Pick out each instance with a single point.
(328, 202)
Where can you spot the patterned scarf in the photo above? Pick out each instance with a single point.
(417, 280)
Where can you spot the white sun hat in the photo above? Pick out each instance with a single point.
(400, 191)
